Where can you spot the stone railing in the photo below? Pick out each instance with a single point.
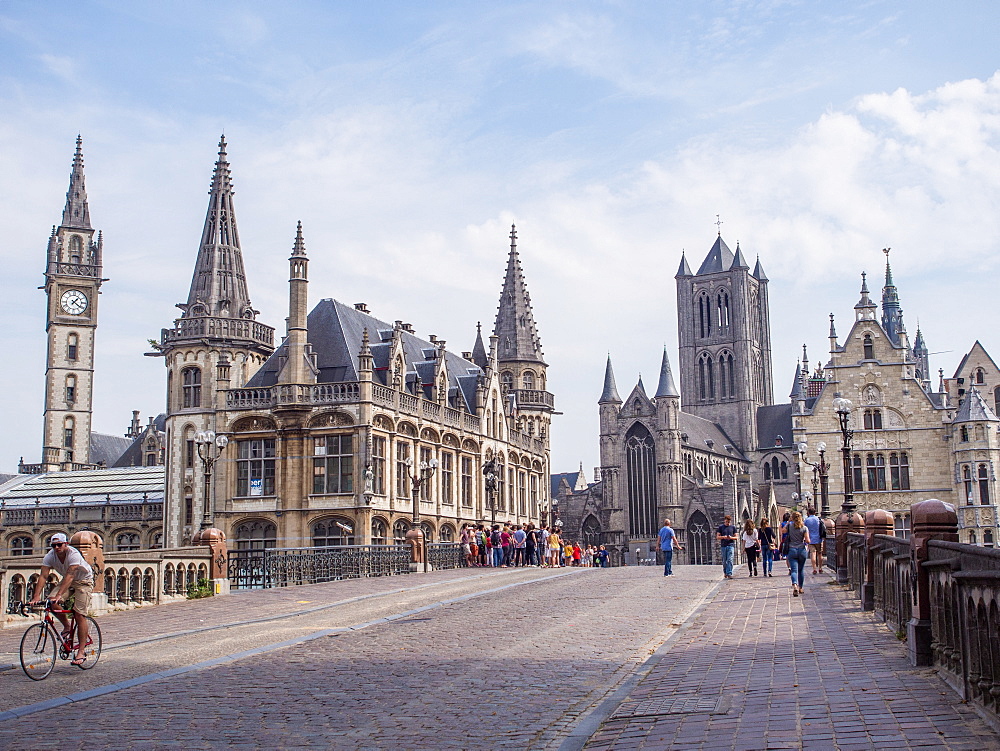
(942, 596)
(77, 512)
(534, 399)
(212, 327)
(78, 269)
(284, 394)
(126, 580)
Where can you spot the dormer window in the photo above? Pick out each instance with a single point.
(778, 440)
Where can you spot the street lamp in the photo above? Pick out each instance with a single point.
(425, 471)
(210, 447)
(821, 475)
(847, 521)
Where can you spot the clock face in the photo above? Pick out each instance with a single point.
(73, 302)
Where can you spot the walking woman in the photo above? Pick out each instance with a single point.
(798, 540)
(768, 546)
(751, 545)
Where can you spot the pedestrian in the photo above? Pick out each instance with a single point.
(467, 543)
(798, 539)
(768, 547)
(507, 546)
(495, 537)
(481, 538)
(555, 548)
(813, 523)
(520, 540)
(577, 554)
(783, 549)
(542, 546)
(751, 545)
(726, 537)
(529, 544)
(603, 557)
(668, 540)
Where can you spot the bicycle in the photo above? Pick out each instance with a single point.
(43, 641)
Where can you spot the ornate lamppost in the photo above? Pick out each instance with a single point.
(490, 479)
(210, 447)
(425, 470)
(821, 476)
(848, 520)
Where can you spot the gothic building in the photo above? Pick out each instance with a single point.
(352, 428)
(715, 446)
(910, 442)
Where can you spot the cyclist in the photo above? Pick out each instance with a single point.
(77, 580)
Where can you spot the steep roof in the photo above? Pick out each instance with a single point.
(719, 258)
(975, 409)
(965, 358)
(774, 420)
(133, 455)
(335, 333)
(515, 323)
(610, 393)
(107, 449)
(77, 212)
(666, 387)
(683, 269)
(700, 431)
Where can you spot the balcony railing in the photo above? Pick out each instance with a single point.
(534, 399)
(212, 327)
(77, 513)
(78, 269)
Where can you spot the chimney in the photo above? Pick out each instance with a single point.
(363, 307)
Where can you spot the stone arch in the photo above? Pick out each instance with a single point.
(255, 534)
(331, 419)
(699, 539)
(380, 530)
(430, 435)
(252, 424)
(447, 533)
(383, 422)
(470, 445)
(407, 429)
(330, 531)
(399, 529)
(591, 530)
(450, 439)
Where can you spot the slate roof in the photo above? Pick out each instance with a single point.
(335, 332)
(666, 386)
(610, 393)
(571, 478)
(967, 355)
(699, 431)
(975, 409)
(125, 485)
(133, 455)
(719, 258)
(774, 420)
(107, 449)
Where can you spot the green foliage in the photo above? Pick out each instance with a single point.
(901, 634)
(203, 588)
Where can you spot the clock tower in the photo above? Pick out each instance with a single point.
(72, 284)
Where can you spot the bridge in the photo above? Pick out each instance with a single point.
(567, 658)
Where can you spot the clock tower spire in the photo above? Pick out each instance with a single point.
(72, 284)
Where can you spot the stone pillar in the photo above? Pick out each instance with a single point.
(418, 559)
(876, 523)
(91, 547)
(847, 522)
(218, 567)
(930, 520)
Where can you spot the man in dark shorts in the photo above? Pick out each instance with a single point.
(77, 580)
(726, 536)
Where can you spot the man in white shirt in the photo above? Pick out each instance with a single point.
(77, 580)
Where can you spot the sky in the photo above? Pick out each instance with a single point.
(408, 136)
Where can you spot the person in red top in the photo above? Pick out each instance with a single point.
(506, 542)
(577, 554)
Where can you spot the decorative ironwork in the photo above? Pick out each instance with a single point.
(445, 555)
(283, 567)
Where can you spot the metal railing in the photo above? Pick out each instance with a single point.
(445, 555)
(283, 567)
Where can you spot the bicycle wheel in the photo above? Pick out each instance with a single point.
(93, 649)
(38, 651)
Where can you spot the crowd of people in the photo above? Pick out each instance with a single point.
(511, 545)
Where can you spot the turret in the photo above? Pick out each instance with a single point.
(892, 311)
(298, 367)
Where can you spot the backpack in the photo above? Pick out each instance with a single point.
(495, 539)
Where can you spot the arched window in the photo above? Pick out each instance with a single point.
(963, 434)
(984, 485)
(873, 419)
(767, 471)
(784, 471)
(967, 483)
(988, 538)
(875, 464)
(447, 533)
(73, 341)
(730, 376)
(899, 470)
(329, 532)
(428, 531)
(869, 347)
(191, 387)
(591, 531)
(700, 539)
(127, 541)
(972, 537)
(506, 381)
(256, 535)
(706, 377)
(21, 546)
(775, 469)
(156, 541)
(722, 302)
(399, 530)
(528, 380)
(996, 400)
(70, 388)
(68, 425)
(380, 532)
(640, 464)
(857, 473)
(704, 316)
(980, 376)
(75, 249)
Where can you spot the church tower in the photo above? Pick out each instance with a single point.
(724, 332)
(72, 284)
(519, 352)
(216, 344)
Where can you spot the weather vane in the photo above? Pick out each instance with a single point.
(718, 224)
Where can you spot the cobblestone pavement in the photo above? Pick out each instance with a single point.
(514, 668)
(811, 672)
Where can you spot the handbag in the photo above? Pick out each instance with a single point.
(784, 546)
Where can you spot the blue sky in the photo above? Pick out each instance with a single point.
(408, 136)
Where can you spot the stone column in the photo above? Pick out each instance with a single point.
(876, 523)
(847, 522)
(91, 547)
(930, 520)
(218, 567)
(418, 560)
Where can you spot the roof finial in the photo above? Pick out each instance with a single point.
(513, 238)
(299, 248)
(718, 224)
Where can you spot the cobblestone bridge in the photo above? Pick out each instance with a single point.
(482, 659)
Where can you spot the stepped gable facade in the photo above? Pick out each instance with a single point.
(328, 429)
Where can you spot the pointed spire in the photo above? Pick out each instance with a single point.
(666, 386)
(683, 269)
(719, 258)
(299, 247)
(738, 261)
(77, 212)
(833, 329)
(610, 393)
(515, 324)
(797, 392)
(865, 307)
(758, 272)
(479, 356)
(892, 311)
(975, 409)
(219, 283)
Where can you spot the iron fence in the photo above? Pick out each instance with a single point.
(283, 567)
(445, 555)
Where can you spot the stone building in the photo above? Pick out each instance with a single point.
(333, 432)
(909, 442)
(716, 446)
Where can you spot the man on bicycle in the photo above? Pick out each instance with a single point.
(77, 580)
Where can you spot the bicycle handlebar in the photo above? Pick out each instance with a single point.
(27, 608)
